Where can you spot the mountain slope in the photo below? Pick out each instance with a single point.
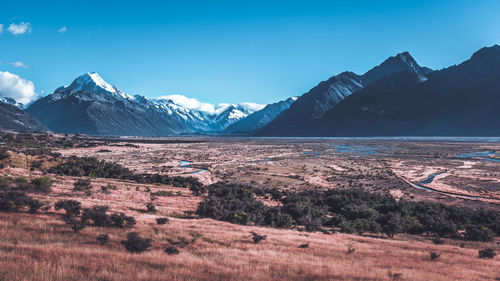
(259, 119)
(327, 94)
(462, 100)
(91, 106)
(204, 117)
(14, 119)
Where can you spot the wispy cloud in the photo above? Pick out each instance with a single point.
(19, 28)
(20, 64)
(62, 29)
(1, 28)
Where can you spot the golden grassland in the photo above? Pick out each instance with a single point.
(41, 247)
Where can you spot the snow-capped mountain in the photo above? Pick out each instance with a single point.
(261, 118)
(92, 106)
(204, 117)
(11, 101)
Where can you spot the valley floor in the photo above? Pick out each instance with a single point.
(41, 247)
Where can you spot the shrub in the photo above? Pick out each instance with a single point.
(479, 233)
(351, 210)
(197, 189)
(42, 184)
(161, 220)
(438, 241)
(136, 244)
(122, 221)
(434, 255)
(103, 239)
(171, 250)
(98, 215)
(257, 237)
(90, 167)
(72, 213)
(73, 208)
(150, 207)
(487, 253)
(93, 167)
(4, 154)
(34, 206)
(15, 200)
(163, 193)
(82, 185)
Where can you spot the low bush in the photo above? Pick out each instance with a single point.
(93, 167)
(82, 185)
(150, 207)
(122, 221)
(90, 167)
(434, 255)
(102, 239)
(257, 237)
(171, 250)
(350, 210)
(161, 221)
(487, 253)
(136, 244)
(42, 184)
(4, 154)
(97, 216)
(15, 201)
(479, 233)
(438, 241)
(72, 215)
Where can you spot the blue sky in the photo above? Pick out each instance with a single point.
(234, 51)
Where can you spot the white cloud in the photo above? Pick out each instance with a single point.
(21, 28)
(252, 107)
(189, 103)
(192, 103)
(62, 29)
(20, 64)
(17, 88)
(1, 28)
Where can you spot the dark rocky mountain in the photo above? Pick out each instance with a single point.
(92, 106)
(398, 63)
(14, 119)
(462, 100)
(261, 118)
(327, 94)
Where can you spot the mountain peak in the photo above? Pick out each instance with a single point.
(91, 81)
(400, 62)
(405, 57)
(487, 52)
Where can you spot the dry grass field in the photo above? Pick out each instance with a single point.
(41, 247)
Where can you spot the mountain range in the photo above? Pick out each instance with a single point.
(327, 94)
(92, 106)
(396, 98)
